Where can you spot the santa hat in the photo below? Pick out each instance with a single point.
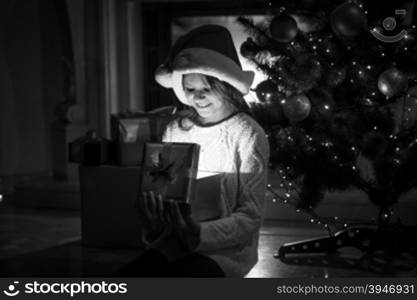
(207, 50)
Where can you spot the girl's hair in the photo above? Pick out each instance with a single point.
(225, 91)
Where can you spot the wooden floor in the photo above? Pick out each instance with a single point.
(47, 243)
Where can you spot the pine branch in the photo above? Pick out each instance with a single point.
(254, 30)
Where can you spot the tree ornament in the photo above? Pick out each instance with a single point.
(283, 28)
(348, 20)
(310, 23)
(297, 107)
(269, 113)
(392, 82)
(265, 90)
(249, 48)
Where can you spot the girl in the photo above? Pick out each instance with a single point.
(204, 71)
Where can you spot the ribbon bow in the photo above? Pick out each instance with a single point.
(161, 171)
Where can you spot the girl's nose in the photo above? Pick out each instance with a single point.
(199, 95)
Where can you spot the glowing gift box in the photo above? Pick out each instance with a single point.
(170, 169)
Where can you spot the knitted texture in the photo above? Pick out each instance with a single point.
(238, 149)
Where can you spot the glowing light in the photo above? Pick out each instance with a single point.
(326, 107)
(268, 185)
(1, 197)
(312, 220)
(274, 200)
(375, 128)
(287, 195)
(353, 168)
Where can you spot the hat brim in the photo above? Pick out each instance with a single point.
(206, 62)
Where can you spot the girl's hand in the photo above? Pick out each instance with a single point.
(151, 213)
(185, 227)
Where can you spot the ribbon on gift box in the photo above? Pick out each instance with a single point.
(166, 172)
(89, 149)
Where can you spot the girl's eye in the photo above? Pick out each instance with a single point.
(206, 90)
(189, 90)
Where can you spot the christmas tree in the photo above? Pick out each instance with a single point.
(341, 95)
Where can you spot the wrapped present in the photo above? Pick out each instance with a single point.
(108, 211)
(131, 130)
(89, 149)
(170, 169)
(207, 204)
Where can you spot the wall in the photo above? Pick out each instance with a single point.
(23, 137)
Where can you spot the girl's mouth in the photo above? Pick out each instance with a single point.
(199, 105)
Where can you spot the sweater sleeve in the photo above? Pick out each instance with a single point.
(167, 135)
(239, 227)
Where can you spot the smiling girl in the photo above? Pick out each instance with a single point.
(205, 73)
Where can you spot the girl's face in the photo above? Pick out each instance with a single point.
(208, 104)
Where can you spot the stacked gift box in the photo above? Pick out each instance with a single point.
(113, 174)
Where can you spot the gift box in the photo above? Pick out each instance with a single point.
(109, 218)
(131, 130)
(89, 149)
(170, 169)
(207, 205)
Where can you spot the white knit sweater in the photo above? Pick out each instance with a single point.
(238, 148)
